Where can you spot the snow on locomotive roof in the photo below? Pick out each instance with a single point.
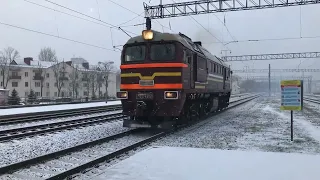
(183, 39)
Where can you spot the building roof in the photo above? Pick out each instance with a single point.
(44, 64)
(79, 63)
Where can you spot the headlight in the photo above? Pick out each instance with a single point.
(171, 95)
(147, 34)
(122, 95)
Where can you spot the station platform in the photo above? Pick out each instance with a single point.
(173, 163)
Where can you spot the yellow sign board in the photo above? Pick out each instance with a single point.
(291, 95)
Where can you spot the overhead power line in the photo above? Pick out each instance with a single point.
(271, 39)
(213, 6)
(139, 15)
(272, 56)
(204, 28)
(110, 25)
(273, 70)
(55, 36)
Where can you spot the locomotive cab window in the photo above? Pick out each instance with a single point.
(162, 52)
(135, 53)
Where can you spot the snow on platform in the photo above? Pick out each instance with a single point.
(54, 107)
(173, 163)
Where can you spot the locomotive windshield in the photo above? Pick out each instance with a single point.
(135, 53)
(162, 52)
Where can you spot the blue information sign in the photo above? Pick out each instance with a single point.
(291, 95)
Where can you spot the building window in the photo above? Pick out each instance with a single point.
(1, 72)
(55, 94)
(1, 83)
(85, 93)
(47, 94)
(62, 94)
(47, 75)
(26, 94)
(37, 84)
(37, 93)
(14, 73)
(14, 84)
(47, 84)
(55, 84)
(70, 93)
(26, 74)
(26, 84)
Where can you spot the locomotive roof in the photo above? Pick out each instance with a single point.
(183, 39)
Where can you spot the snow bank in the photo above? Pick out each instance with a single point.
(172, 163)
(312, 130)
(54, 107)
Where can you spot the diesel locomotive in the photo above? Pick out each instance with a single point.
(167, 80)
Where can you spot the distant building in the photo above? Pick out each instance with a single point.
(75, 78)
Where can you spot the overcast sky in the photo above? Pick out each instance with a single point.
(243, 25)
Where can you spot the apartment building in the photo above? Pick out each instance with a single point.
(64, 79)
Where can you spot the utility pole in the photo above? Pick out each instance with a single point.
(269, 81)
(148, 23)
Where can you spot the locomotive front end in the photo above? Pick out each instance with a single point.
(151, 89)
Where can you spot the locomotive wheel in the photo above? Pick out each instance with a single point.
(207, 108)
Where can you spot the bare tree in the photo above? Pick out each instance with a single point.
(118, 79)
(100, 81)
(106, 68)
(8, 55)
(47, 54)
(94, 83)
(40, 74)
(86, 79)
(74, 81)
(59, 72)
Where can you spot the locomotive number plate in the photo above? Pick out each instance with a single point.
(144, 95)
(146, 82)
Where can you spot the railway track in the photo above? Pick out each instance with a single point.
(317, 101)
(65, 163)
(40, 116)
(9, 134)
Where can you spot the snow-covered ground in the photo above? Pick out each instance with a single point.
(55, 120)
(54, 107)
(19, 150)
(172, 163)
(63, 163)
(258, 125)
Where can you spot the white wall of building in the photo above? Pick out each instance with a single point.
(23, 81)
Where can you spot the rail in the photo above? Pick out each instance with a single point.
(36, 116)
(44, 158)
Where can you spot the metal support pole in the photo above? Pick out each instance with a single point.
(148, 23)
(291, 125)
(269, 80)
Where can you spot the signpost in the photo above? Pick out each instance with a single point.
(292, 97)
